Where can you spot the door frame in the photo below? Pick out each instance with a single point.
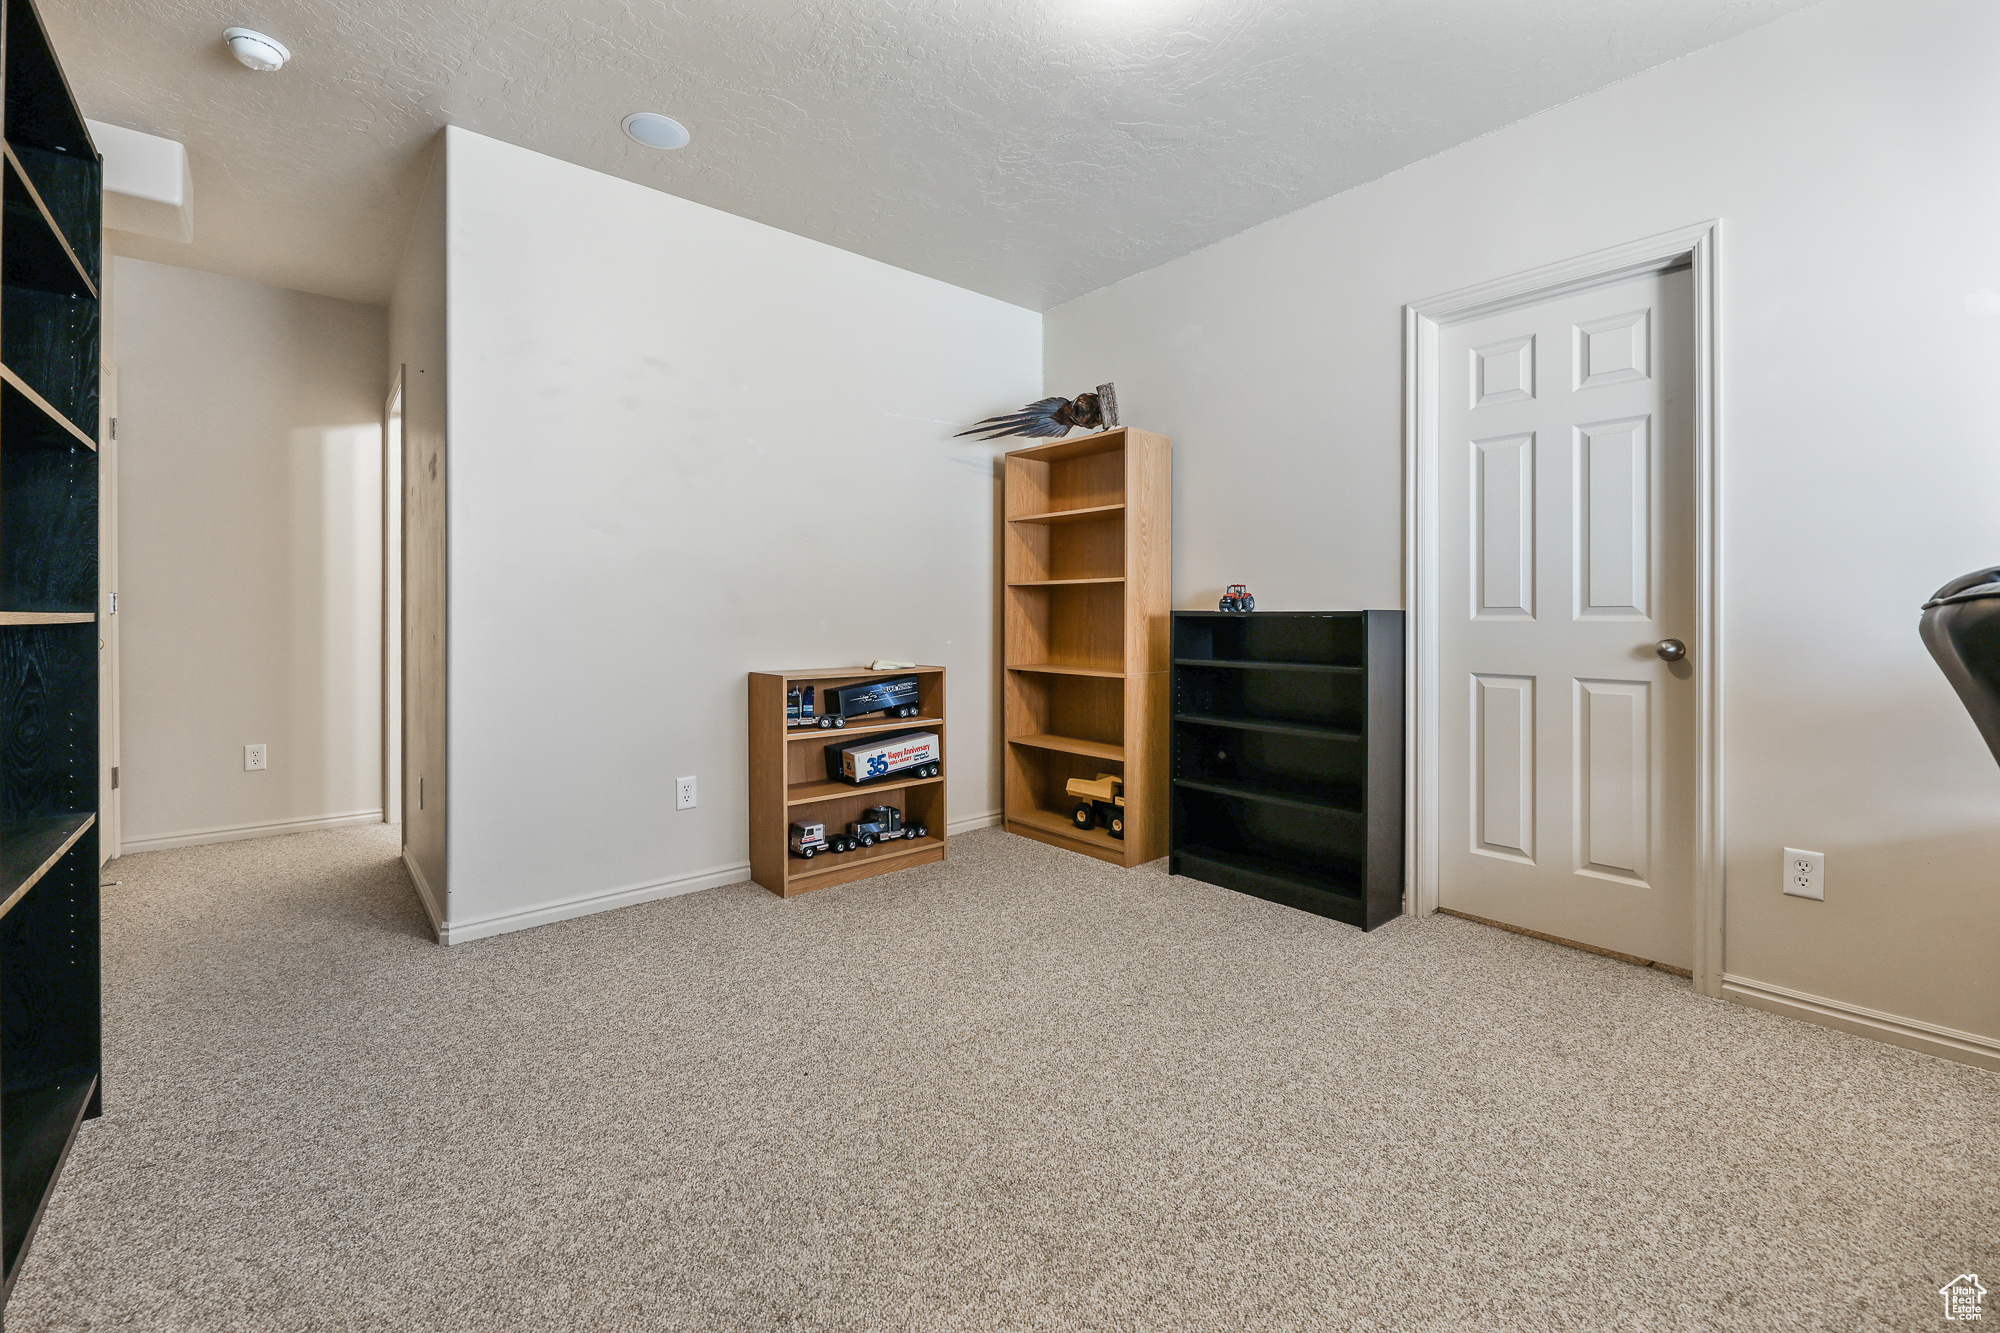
(110, 792)
(1696, 247)
(392, 599)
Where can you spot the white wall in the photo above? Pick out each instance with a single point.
(1853, 155)
(686, 446)
(250, 546)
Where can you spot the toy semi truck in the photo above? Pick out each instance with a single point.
(809, 840)
(882, 823)
(1100, 804)
(914, 754)
(878, 823)
(799, 707)
(813, 839)
(895, 697)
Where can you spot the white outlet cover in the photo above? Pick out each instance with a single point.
(254, 758)
(1805, 874)
(684, 793)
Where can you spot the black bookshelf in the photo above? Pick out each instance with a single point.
(50, 1026)
(1288, 758)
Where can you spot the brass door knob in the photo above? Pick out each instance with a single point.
(1671, 650)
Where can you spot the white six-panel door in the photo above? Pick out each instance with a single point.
(1566, 501)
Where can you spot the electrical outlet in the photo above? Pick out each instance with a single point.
(684, 793)
(253, 759)
(1805, 874)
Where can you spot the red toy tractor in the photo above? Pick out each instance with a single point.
(1237, 598)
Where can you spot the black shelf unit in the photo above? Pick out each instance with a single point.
(1287, 764)
(50, 256)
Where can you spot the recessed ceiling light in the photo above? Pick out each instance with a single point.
(655, 130)
(255, 50)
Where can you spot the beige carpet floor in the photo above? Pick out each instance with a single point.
(1018, 1090)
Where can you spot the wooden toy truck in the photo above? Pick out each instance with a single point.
(1100, 803)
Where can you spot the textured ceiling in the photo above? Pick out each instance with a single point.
(1031, 150)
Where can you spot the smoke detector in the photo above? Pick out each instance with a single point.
(256, 51)
(655, 130)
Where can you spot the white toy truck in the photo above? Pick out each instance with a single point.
(913, 754)
(809, 840)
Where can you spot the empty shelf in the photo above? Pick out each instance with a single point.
(46, 617)
(1073, 515)
(29, 847)
(1060, 583)
(1104, 442)
(1277, 728)
(45, 257)
(45, 407)
(1329, 892)
(1322, 668)
(40, 1123)
(1057, 669)
(1278, 793)
(1071, 745)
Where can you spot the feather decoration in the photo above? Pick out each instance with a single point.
(1053, 418)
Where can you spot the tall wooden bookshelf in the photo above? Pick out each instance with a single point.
(1087, 591)
(49, 272)
(788, 782)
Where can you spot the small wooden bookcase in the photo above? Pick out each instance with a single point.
(788, 782)
(1087, 589)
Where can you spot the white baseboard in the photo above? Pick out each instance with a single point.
(501, 923)
(991, 819)
(432, 906)
(242, 832)
(1947, 1043)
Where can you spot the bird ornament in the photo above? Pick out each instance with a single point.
(1052, 418)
